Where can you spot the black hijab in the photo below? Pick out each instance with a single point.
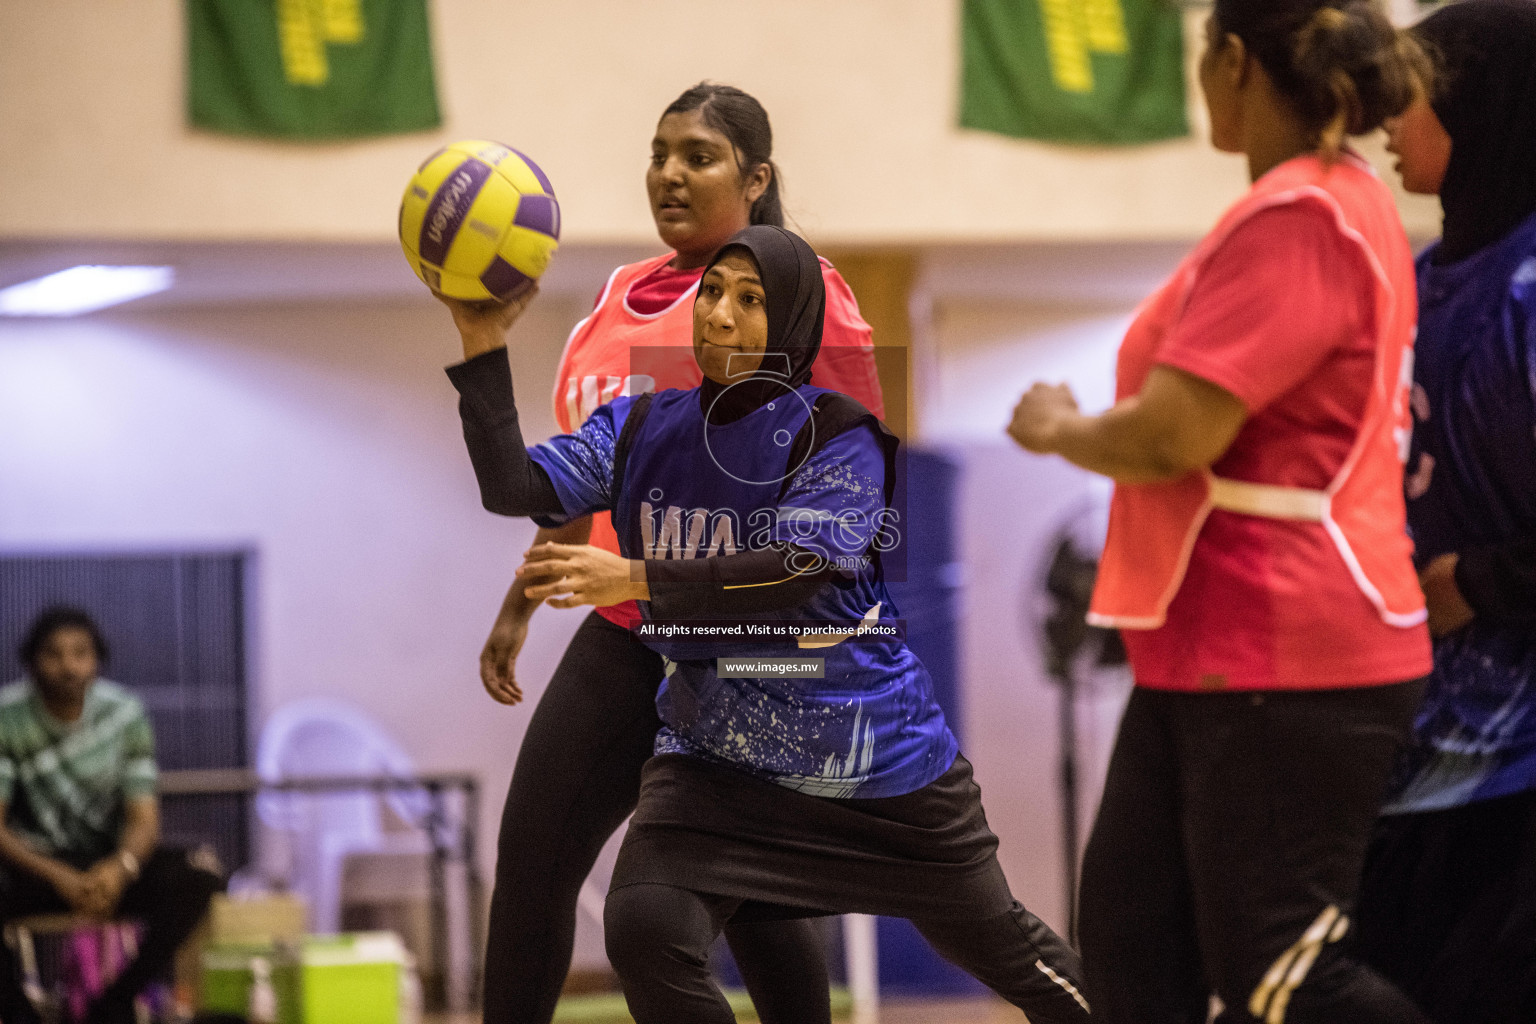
(1485, 96)
(797, 304)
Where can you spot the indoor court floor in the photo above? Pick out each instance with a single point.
(893, 1011)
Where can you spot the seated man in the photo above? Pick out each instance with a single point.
(79, 821)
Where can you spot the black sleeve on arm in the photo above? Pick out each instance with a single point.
(511, 484)
(1499, 581)
(726, 585)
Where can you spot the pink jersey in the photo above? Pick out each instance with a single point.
(1287, 565)
(636, 340)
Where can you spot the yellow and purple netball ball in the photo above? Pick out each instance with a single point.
(479, 221)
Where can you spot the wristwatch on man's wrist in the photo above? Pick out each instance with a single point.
(129, 864)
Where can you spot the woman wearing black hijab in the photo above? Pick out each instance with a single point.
(756, 505)
(1448, 905)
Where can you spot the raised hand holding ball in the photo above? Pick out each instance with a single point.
(483, 326)
(479, 222)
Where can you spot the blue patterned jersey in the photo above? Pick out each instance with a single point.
(1471, 482)
(872, 726)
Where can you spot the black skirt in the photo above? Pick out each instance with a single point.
(713, 829)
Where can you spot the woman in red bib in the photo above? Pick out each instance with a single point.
(577, 777)
(1257, 559)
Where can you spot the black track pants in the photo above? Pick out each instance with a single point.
(1226, 857)
(659, 937)
(1448, 909)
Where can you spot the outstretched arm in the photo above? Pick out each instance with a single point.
(1177, 423)
(561, 479)
(511, 483)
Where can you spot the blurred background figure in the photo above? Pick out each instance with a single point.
(1256, 559)
(1448, 907)
(79, 820)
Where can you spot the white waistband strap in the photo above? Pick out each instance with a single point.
(1269, 500)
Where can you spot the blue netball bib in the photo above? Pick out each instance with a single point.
(1471, 480)
(871, 726)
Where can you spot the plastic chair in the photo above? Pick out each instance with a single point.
(319, 737)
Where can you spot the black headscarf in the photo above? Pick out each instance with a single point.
(797, 304)
(1485, 96)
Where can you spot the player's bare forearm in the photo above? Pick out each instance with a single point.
(498, 658)
(1118, 445)
(1177, 424)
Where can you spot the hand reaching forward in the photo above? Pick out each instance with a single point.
(1038, 414)
(498, 658)
(567, 575)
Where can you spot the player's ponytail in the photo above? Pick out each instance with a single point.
(768, 209)
(1341, 65)
(743, 121)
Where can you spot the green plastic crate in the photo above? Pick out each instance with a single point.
(227, 975)
(340, 979)
(333, 979)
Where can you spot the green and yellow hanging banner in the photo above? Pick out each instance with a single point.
(1086, 71)
(310, 69)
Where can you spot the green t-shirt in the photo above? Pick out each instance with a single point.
(65, 784)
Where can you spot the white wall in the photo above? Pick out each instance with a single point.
(986, 349)
(1010, 511)
(863, 96)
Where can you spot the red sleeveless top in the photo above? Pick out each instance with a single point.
(1287, 564)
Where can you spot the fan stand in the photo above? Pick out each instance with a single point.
(1103, 649)
(1071, 646)
(1066, 778)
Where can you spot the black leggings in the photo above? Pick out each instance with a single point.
(577, 779)
(1448, 909)
(659, 936)
(1226, 857)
